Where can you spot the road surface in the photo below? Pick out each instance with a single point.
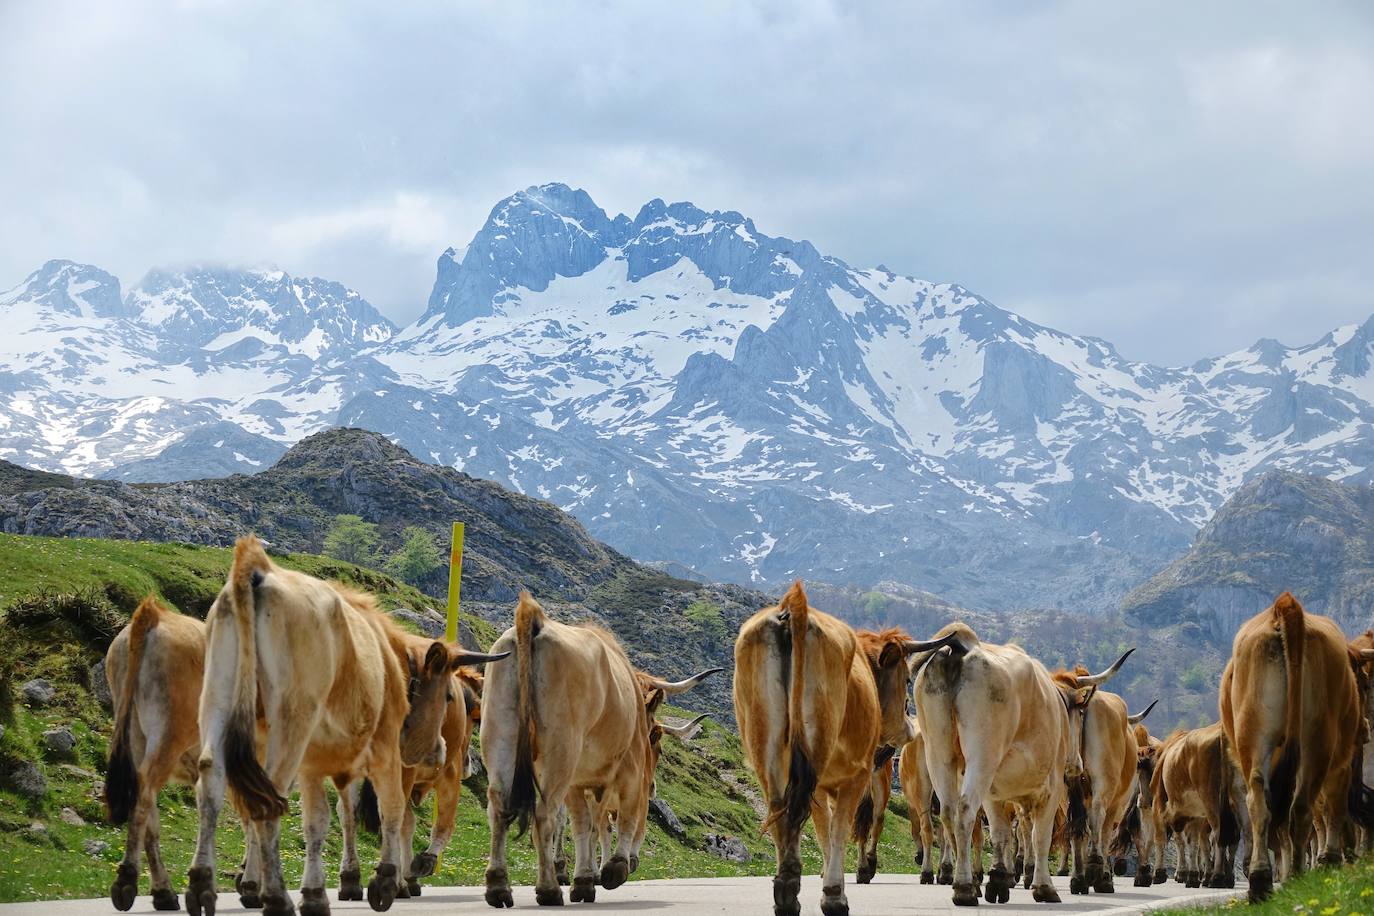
(888, 894)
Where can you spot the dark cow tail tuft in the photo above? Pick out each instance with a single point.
(368, 815)
(863, 819)
(1230, 826)
(1360, 800)
(1126, 833)
(1078, 807)
(245, 774)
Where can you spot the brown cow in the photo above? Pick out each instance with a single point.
(870, 818)
(565, 724)
(1194, 790)
(329, 672)
(809, 714)
(916, 786)
(999, 730)
(154, 668)
(1285, 667)
(1109, 763)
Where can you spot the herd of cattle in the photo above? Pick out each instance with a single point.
(292, 681)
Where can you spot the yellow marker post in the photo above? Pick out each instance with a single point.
(455, 582)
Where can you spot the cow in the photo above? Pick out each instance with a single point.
(811, 719)
(1193, 789)
(1291, 712)
(870, 818)
(998, 730)
(1138, 827)
(1109, 756)
(567, 723)
(329, 673)
(462, 713)
(916, 786)
(154, 668)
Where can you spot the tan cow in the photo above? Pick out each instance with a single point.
(1108, 750)
(566, 723)
(998, 731)
(1139, 827)
(1291, 713)
(1194, 790)
(329, 673)
(916, 786)
(810, 717)
(154, 668)
(870, 818)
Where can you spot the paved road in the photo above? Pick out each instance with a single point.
(900, 894)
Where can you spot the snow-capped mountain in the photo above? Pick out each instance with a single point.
(697, 391)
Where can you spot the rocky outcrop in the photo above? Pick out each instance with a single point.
(1283, 531)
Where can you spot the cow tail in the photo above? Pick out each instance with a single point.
(1283, 778)
(1077, 824)
(863, 819)
(246, 776)
(1129, 827)
(801, 775)
(1360, 799)
(366, 813)
(121, 775)
(1230, 827)
(529, 620)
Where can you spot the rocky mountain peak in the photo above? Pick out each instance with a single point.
(69, 288)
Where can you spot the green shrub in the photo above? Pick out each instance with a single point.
(351, 539)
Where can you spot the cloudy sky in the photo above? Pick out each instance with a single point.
(1178, 178)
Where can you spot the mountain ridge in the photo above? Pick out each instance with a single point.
(699, 392)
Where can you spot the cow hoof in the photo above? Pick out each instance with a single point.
(863, 875)
(1194, 879)
(350, 884)
(1119, 868)
(583, 890)
(402, 890)
(1329, 859)
(785, 891)
(946, 873)
(615, 873)
(314, 902)
(833, 902)
(423, 865)
(1142, 879)
(413, 886)
(1026, 881)
(277, 905)
(997, 893)
(965, 895)
(560, 871)
(1078, 885)
(249, 898)
(200, 891)
(634, 863)
(927, 877)
(1160, 876)
(499, 897)
(1261, 885)
(548, 896)
(1092, 873)
(166, 899)
(1105, 886)
(382, 889)
(1045, 893)
(1018, 868)
(125, 887)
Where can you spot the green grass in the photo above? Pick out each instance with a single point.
(67, 595)
(1320, 892)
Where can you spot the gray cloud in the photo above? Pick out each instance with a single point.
(1178, 178)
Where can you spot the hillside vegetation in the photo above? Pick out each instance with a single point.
(63, 598)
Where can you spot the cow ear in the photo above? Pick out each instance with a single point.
(652, 704)
(892, 654)
(436, 659)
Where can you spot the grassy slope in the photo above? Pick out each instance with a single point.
(53, 863)
(1322, 892)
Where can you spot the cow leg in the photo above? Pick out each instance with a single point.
(1042, 814)
(964, 813)
(1078, 883)
(164, 898)
(1336, 788)
(842, 808)
(787, 878)
(946, 848)
(386, 775)
(248, 882)
(350, 869)
(157, 762)
(1098, 873)
(498, 892)
(315, 824)
(583, 817)
(409, 886)
(1000, 878)
(547, 891)
(446, 793)
(923, 835)
(633, 808)
(1261, 876)
(560, 852)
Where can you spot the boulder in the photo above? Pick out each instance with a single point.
(70, 816)
(38, 692)
(729, 848)
(59, 743)
(99, 687)
(666, 818)
(28, 780)
(96, 848)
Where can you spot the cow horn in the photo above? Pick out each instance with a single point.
(913, 646)
(685, 732)
(1140, 716)
(1367, 654)
(1097, 680)
(475, 658)
(673, 688)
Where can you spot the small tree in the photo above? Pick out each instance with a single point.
(351, 539)
(418, 557)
